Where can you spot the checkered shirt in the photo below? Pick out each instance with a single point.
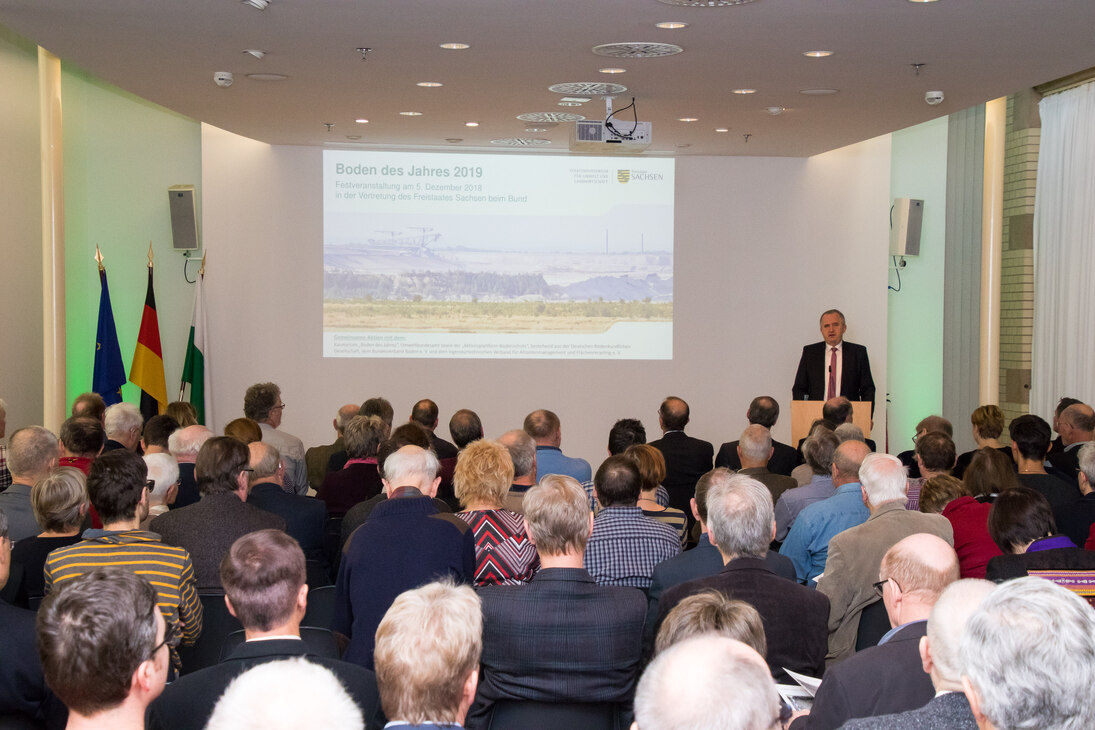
(626, 545)
(5, 475)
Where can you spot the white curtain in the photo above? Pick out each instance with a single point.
(1063, 348)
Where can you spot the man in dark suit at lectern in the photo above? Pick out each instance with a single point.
(834, 367)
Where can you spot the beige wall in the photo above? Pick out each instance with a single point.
(763, 245)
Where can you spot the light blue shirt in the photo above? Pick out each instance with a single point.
(807, 544)
(795, 500)
(550, 460)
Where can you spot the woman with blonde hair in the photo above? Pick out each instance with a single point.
(988, 424)
(504, 555)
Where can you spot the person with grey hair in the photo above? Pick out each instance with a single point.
(939, 654)
(561, 637)
(807, 544)
(1076, 518)
(163, 470)
(60, 506)
(763, 411)
(304, 516)
(262, 403)
(317, 459)
(1027, 658)
(5, 473)
(33, 454)
(1076, 426)
(25, 700)
(851, 567)
(286, 695)
(849, 432)
(741, 524)
(754, 450)
(405, 542)
(818, 450)
(834, 367)
(184, 445)
(707, 682)
(887, 678)
(358, 479)
(522, 451)
(123, 423)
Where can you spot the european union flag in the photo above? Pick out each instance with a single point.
(109, 375)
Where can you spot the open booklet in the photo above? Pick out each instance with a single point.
(800, 696)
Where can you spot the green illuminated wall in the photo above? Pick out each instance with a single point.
(121, 153)
(918, 169)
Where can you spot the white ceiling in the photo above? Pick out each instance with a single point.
(167, 51)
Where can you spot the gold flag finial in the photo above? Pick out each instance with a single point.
(150, 254)
(98, 257)
(201, 271)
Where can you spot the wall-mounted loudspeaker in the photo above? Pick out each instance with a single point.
(184, 217)
(905, 219)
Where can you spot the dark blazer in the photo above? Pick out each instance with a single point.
(1075, 519)
(950, 711)
(317, 458)
(811, 380)
(796, 618)
(23, 691)
(1066, 462)
(784, 458)
(404, 544)
(880, 680)
(443, 448)
(344, 488)
(1004, 567)
(559, 638)
(188, 493)
(207, 530)
(304, 516)
(187, 703)
(700, 562)
(686, 460)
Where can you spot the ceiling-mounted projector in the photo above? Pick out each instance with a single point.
(594, 136)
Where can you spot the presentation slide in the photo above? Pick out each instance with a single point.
(497, 256)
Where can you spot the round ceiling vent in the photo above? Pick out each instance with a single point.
(520, 142)
(550, 117)
(588, 88)
(637, 50)
(705, 3)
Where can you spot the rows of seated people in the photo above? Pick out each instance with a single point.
(674, 585)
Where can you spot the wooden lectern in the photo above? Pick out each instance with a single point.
(805, 412)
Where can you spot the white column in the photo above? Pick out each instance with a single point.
(992, 225)
(53, 240)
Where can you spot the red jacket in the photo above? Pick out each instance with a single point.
(970, 520)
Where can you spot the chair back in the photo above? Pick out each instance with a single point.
(874, 622)
(321, 607)
(217, 624)
(523, 714)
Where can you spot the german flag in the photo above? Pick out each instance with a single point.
(147, 369)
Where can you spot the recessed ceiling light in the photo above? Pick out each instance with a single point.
(923, 1)
(745, 91)
(362, 120)
(353, 136)
(411, 114)
(671, 25)
(256, 4)
(688, 119)
(267, 77)
(255, 52)
(721, 129)
(819, 92)
(429, 84)
(536, 129)
(683, 146)
(455, 46)
(569, 103)
(817, 54)
(471, 124)
(454, 140)
(775, 111)
(612, 70)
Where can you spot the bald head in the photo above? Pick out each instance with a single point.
(185, 443)
(755, 447)
(1076, 424)
(917, 569)
(345, 414)
(946, 624)
(265, 462)
(837, 410)
(522, 451)
(673, 414)
(707, 681)
(846, 460)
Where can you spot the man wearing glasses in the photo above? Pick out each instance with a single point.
(109, 670)
(262, 403)
(118, 487)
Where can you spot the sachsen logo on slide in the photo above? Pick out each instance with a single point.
(624, 176)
